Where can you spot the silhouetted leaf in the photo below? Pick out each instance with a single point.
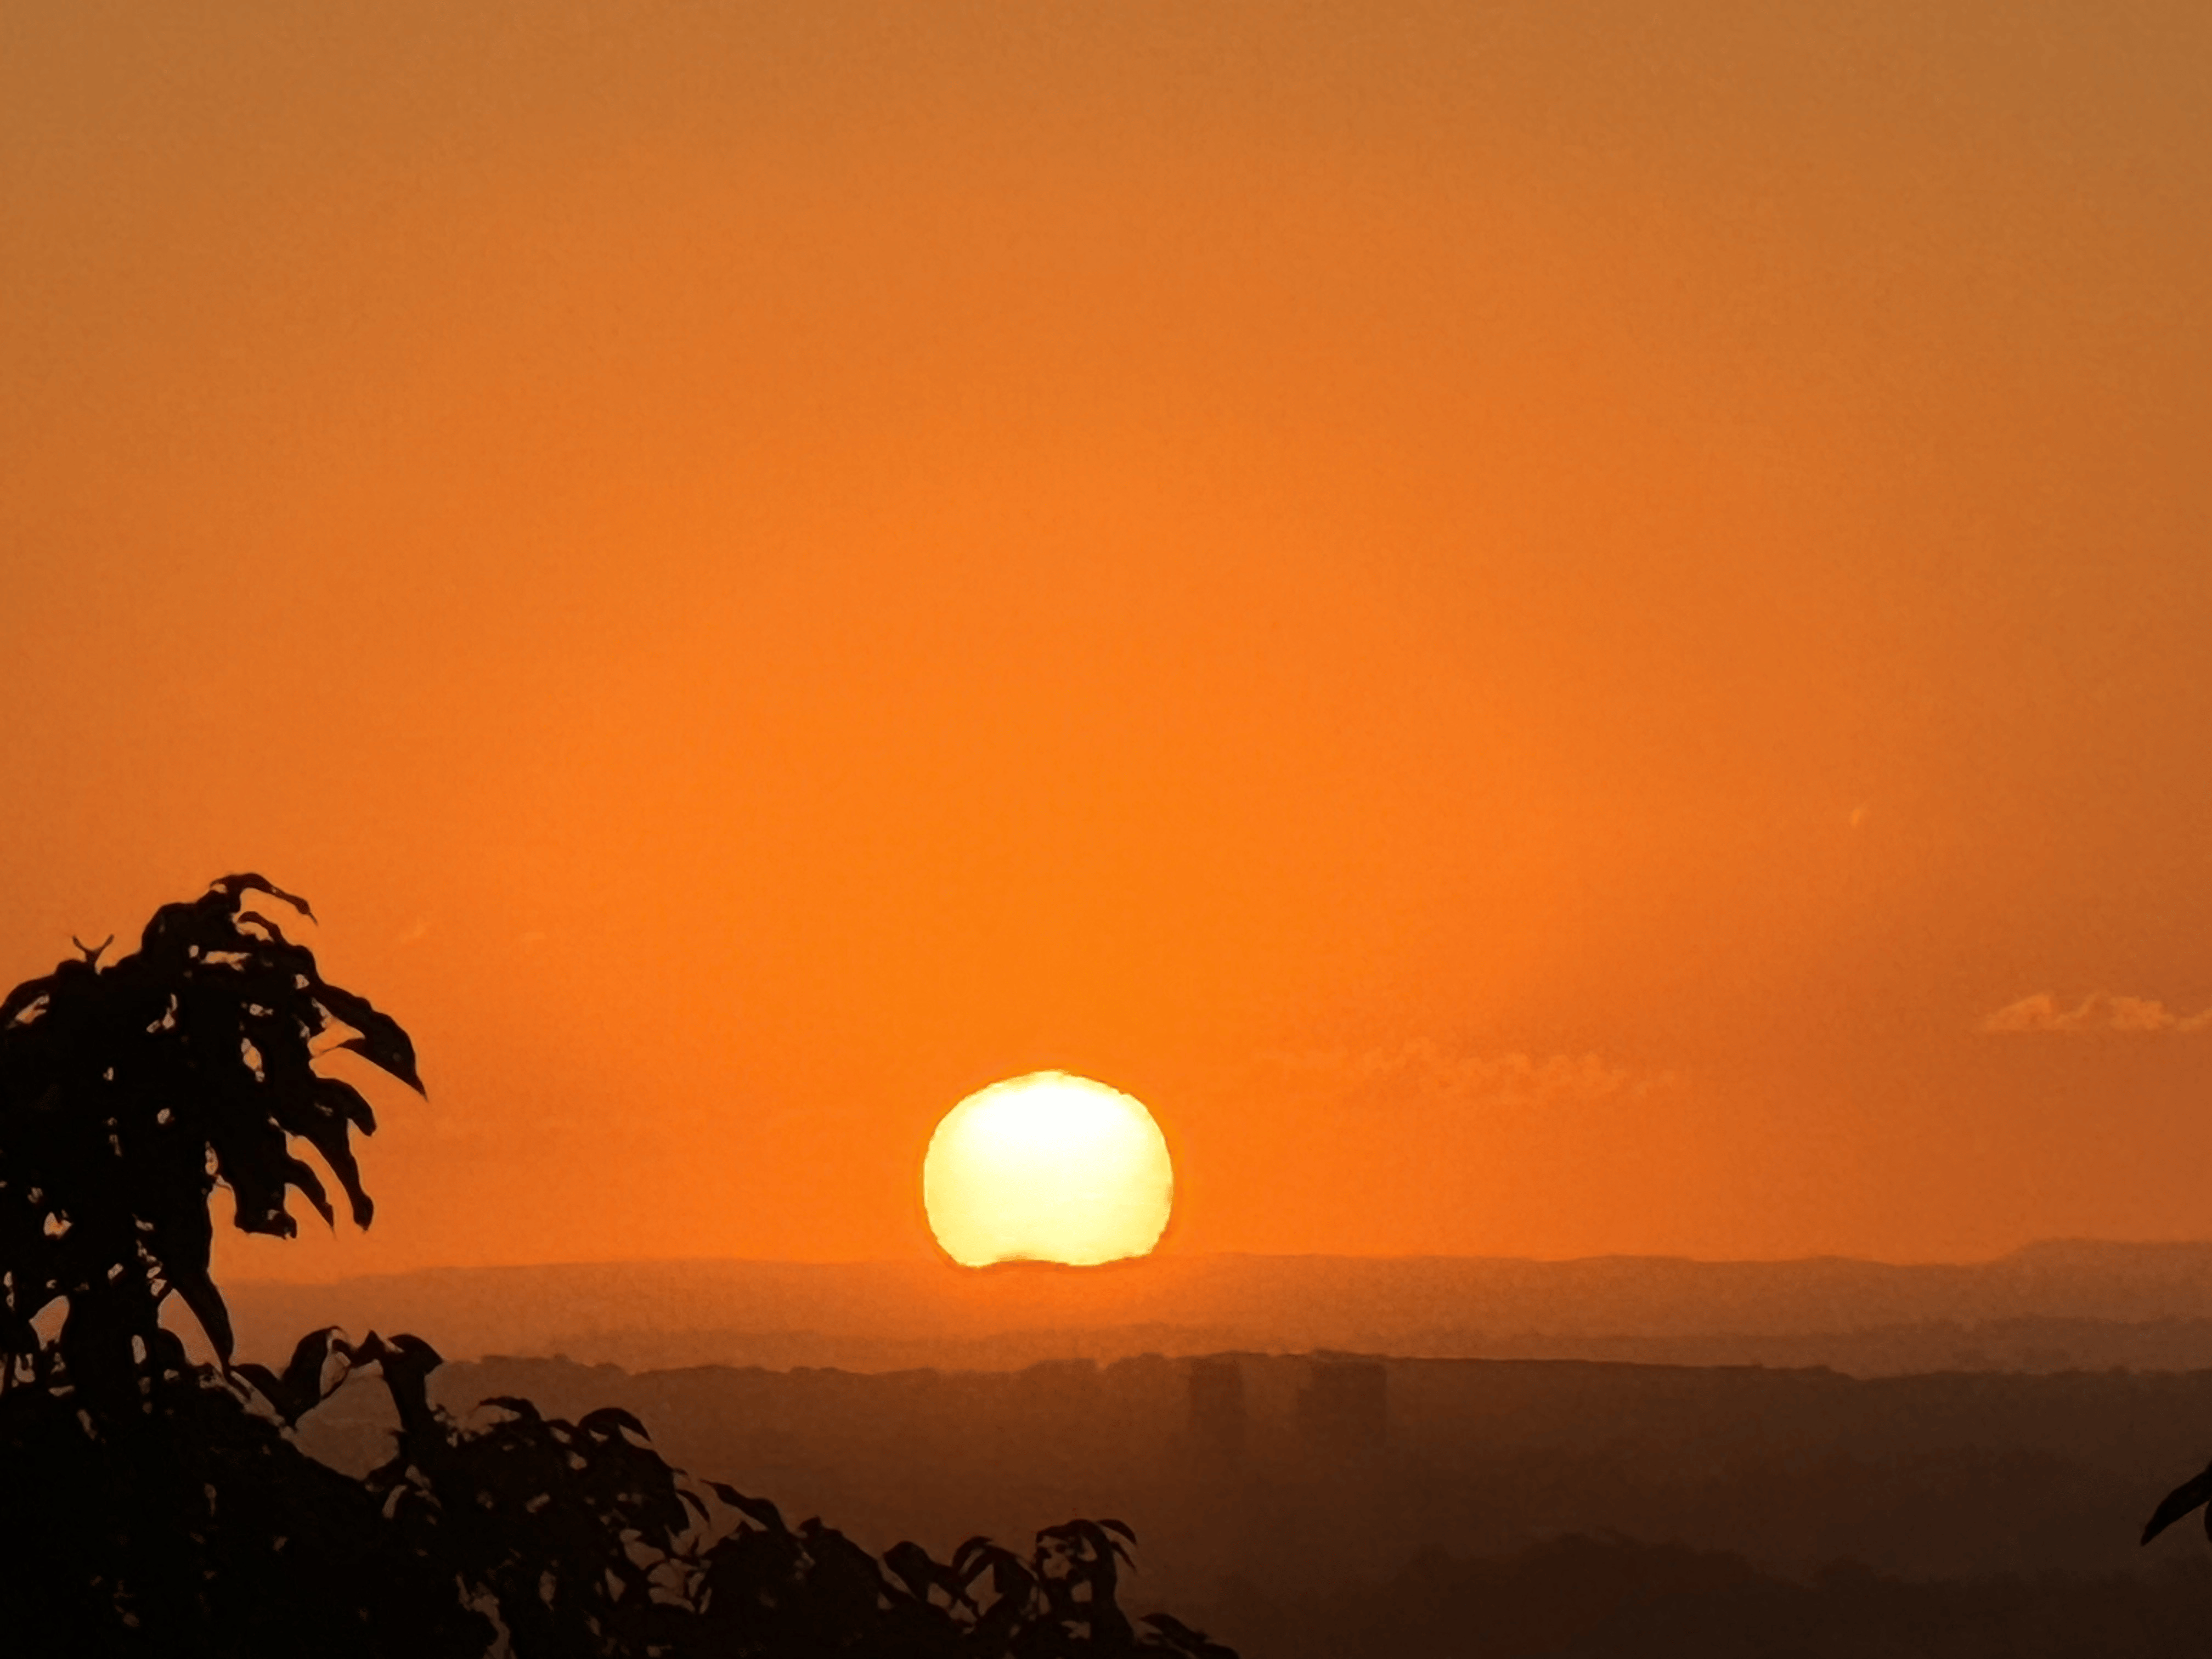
(757, 1508)
(1182, 1639)
(2189, 1495)
(328, 1136)
(311, 1358)
(275, 933)
(12, 1004)
(381, 1042)
(914, 1568)
(191, 1281)
(405, 1364)
(418, 1354)
(607, 1418)
(270, 1386)
(237, 886)
(347, 1102)
(311, 1184)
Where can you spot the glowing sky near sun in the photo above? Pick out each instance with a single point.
(1527, 619)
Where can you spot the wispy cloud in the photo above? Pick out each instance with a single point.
(1474, 1081)
(2101, 1012)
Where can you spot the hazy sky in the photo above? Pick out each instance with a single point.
(1524, 617)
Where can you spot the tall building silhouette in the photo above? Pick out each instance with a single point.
(1218, 1412)
(1345, 1405)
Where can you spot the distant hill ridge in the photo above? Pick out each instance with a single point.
(886, 1316)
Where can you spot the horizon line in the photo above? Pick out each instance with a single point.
(1136, 1262)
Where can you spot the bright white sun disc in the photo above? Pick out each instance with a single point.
(1047, 1168)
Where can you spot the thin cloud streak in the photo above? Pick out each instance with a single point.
(1513, 1078)
(2101, 1012)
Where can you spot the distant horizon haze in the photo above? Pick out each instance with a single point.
(2062, 1303)
(2032, 1248)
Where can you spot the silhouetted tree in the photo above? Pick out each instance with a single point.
(156, 1507)
(128, 1093)
(152, 1506)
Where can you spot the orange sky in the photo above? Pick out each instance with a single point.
(1523, 616)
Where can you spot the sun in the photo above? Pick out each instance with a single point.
(1047, 1168)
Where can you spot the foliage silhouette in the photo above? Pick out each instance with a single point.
(2193, 1493)
(154, 1507)
(128, 1093)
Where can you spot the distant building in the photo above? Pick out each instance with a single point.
(1216, 1406)
(1345, 1405)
